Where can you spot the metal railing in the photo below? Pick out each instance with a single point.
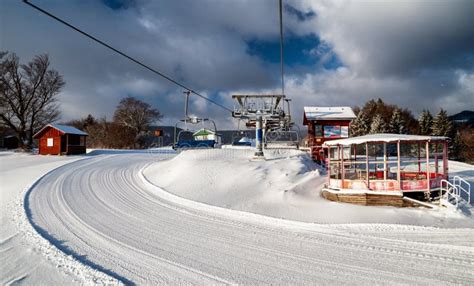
(463, 187)
(449, 194)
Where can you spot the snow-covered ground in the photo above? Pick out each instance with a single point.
(21, 261)
(106, 215)
(286, 185)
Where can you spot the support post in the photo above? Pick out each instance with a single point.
(384, 162)
(445, 160)
(367, 164)
(259, 136)
(329, 166)
(419, 157)
(428, 168)
(399, 168)
(342, 168)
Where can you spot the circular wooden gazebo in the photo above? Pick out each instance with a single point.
(387, 163)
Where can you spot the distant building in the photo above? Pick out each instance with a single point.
(56, 139)
(324, 124)
(8, 139)
(206, 134)
(232, 136)
(166, 138)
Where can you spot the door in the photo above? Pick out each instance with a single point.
(64, 144)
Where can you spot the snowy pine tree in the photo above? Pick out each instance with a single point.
(442, 126)
(378, 125)
(425, 121)
(397, 124)
(360, 126)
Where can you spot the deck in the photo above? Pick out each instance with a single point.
(370, 198)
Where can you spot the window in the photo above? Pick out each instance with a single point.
(345, 131)
(318, 131)
(49, 142)
(332, 131)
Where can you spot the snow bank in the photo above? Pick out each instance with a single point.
(287, 185)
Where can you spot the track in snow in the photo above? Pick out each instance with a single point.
(101, 210)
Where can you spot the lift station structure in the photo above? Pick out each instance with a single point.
(270, 115)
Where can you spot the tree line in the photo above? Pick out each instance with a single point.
(129, 127)
(376, 116)
(29, 94)
(28, 102)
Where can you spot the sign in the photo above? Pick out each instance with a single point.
(332, 131)
(345, 131)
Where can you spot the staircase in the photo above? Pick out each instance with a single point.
(454, 192)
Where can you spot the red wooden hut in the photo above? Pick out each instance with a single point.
(325, 124)
(56, 139)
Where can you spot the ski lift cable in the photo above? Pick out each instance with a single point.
(282, 63)
(125, 55)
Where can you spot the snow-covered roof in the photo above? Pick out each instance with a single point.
(204, 131)
(385, 137)
(66, 129)
(329, 113)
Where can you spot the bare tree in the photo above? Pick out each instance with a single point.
(28, 95)
(136, 115)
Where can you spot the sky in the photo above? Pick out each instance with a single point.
(416, 54)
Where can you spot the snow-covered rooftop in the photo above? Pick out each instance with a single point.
(328, 113)
(66, 129)
(385, 137)
(203, 131)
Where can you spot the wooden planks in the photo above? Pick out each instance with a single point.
(364, 198)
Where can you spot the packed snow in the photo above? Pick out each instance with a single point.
(152, 217)
(286, 185)
(26, 257)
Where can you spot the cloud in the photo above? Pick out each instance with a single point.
(397, 38)
(417, 54)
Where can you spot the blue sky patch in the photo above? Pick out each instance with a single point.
(298, 51)
(119, 4)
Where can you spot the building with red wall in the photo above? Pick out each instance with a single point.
(56, 139)
(324, 124)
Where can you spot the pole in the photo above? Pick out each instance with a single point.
(187, 92)
(367, 164)
(329, 166)
(428, 169)
(385, 163)
(282, 64)
(258, 136)
(343, 170)
(445, 160)
(399, 168)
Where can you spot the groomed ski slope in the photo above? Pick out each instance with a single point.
(22, 258)
(104, 212)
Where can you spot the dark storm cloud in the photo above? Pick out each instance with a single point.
(197, 43)
(119, 4)
(418, 54)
